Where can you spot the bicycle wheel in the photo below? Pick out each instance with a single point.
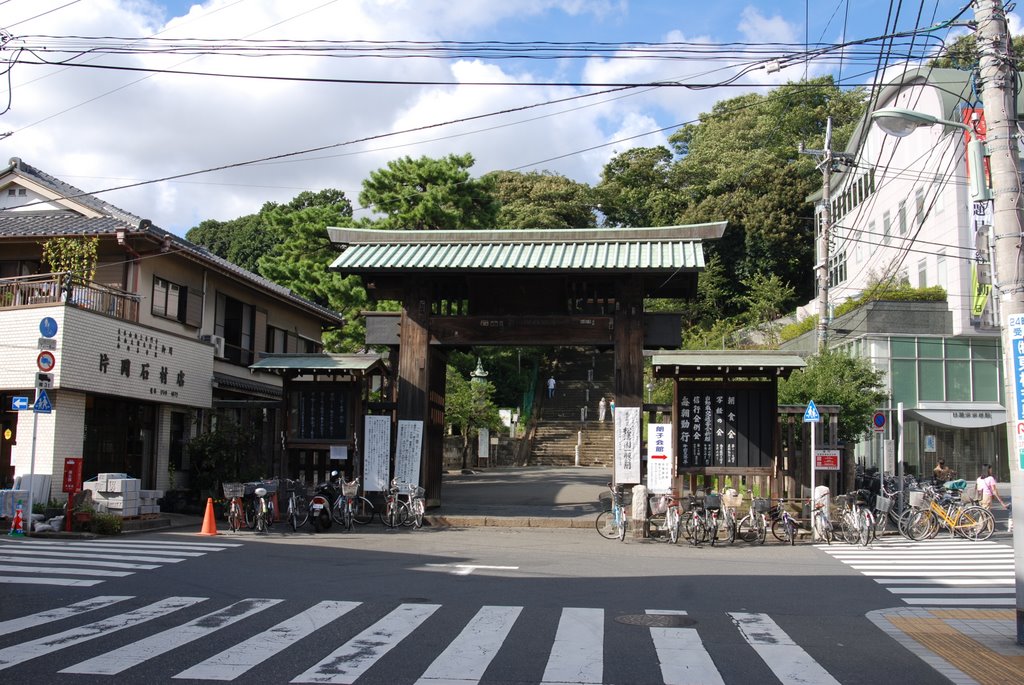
(761, 525)
(779, 530)
(271, 514)
(921, 525)
(250, 514)
(848, 528)
(606, 525)
(711, 528)
(301, 512)
(396, 514)
(881, 524)
(865, 527)
(362, 511)
(623, 525)
(904, 520)
(338, 511)
(418, 505)
(695, 530)
(234, 518)
(746, 529)
(975, 523)
(346, 515)
(730, 528)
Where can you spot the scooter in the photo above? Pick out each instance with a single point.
(324, 497)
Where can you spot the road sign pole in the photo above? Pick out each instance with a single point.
(814, 458)
(31, 473)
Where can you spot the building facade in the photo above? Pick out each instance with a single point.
(150, 351)
(901, 212)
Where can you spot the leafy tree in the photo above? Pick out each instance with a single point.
(469, 407)
(963, 53)
(740, 164)
(765, 302)
(833, 377)
(542, 200)
(301, 262)
(637, 189)
(241, 241)
(76, 256)
(430, 194)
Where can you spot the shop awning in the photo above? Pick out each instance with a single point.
(960, 414)
(323, 362)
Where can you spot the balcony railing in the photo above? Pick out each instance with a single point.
(51, 289)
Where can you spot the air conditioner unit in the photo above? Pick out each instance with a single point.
(218, 344)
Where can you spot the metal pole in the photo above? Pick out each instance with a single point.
(998, 77)
(814, 531)
(26, 516)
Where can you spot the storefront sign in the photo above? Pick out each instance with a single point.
(627, 445)
(660, 458)
(1016, 328)
(409, 451)
(376, 453)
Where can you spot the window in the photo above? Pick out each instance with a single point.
(902, 212)
(922, 273)
(836, 269)
(235, 321)
(919, 204)
(886, 227)
(177, 302)
(277, 340)
(940, 268)
(931, 380)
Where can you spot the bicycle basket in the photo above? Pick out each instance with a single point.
(761, 505)
(883, 504)
(350, 489)
(731, 498)
(712, 501)
(842, 501)
(659, 504)
(916, 498)
(233, 490)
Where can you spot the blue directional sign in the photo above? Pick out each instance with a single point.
(42, 405)
(19, 403)
(811, 414)
(48, 327)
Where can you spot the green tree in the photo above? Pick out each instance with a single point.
(765, 301)
(468, 408)
(301, 261)
(832, 377)
(542, 200)
(740, 164)
(76, 256)
(637, 189)
(962, 53)
(241, 241)
(432, 194)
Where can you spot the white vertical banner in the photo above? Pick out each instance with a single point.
(660, 457)
(376, 453)
(408, 451)
(627, 445)
(483, 445)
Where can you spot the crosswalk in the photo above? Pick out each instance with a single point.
(937, 572)
(85, 563)
(338, 641)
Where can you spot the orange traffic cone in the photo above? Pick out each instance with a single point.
(209, 521)
(17, 525)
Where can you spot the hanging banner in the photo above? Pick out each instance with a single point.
(376, 453)
(627, 445)
(660, 459)
(408, 451)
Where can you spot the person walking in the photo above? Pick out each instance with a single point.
(987, 488)
(941, 472)
(611, 405)
(602, 409)
(551, 387)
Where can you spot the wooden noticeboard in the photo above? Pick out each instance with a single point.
(722, 425)
(319, 412)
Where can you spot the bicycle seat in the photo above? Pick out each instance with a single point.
(261, 492)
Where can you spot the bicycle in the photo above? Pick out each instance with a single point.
(702, 523)
(972, 521)
(821, 523)
(233, 492)
(416, 505)
(262, 510)
(350, 508)
(664, 516)
(396, 512)
(731, 500)
(298, 508)
(784, 526)
(857, 522)
(612, 523)
(754, 526)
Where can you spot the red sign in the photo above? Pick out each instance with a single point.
(826, 461)
(72, 474)
(659, 456)
(46, 361)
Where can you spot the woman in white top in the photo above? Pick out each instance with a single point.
(987, 488)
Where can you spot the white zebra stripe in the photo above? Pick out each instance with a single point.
(790, 664)
(577, 656)
(682, 656)
(464, 661)
(31, 621)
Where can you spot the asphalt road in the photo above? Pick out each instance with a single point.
(493, 605)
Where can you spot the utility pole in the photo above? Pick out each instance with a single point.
(828, 159)
(998, 78)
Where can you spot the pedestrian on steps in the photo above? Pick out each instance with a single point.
(602, 409)
(551, 387)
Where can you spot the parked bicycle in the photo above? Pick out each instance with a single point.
(263, 510)
(613, 522)
(821, 521)
(754, 526)
(857, 521)
(298, 507)
(233, 493)
(702, 521)
(784, 526)
(664, 521)
(417, 505)
(396, 511)
(947, 511)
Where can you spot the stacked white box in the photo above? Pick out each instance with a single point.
(148, 501)
(115, 493)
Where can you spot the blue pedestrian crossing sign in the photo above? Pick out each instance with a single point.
(42, 405)
(811, 414)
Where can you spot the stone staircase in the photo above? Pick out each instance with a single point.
(582, 377)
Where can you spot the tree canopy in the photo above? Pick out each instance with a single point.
(541, 199)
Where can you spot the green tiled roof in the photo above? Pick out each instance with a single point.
(652, 249)
(734, 362)
(317, 362)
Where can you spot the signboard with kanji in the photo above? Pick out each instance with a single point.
(376, 453)
(627, 445)
(72, 474)
(660, 459)
(725, 425)
(826, 460)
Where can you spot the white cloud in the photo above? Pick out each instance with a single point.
(757, 28)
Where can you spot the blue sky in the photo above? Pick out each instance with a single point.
(101, 128)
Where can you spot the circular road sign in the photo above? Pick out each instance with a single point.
(46, 361)
(878, 421)
(48, 327)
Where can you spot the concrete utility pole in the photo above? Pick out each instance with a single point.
(998, 77)
(825, 235)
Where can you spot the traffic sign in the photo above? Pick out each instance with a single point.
(42, 405)
(47, 344)
(48, 327)
(44, 381)
(46, 361)
(878, 421)
(811, 414)
(19, 403)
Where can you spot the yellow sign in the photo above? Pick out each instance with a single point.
(7, 434)
(979, 294)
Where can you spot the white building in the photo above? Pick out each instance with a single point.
(148, 352)
(902, 211)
